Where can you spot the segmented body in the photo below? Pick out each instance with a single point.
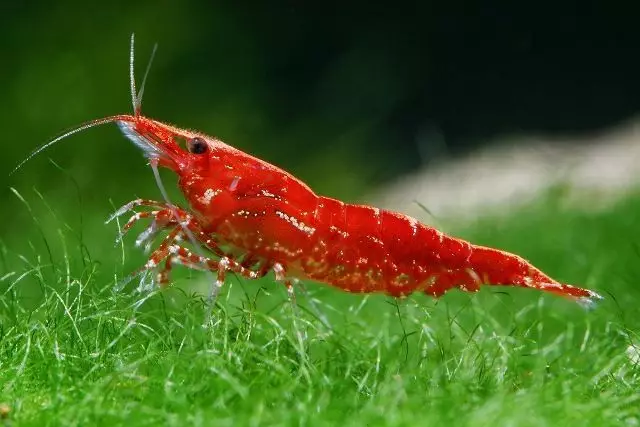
(260, 216)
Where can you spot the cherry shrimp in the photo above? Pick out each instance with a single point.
(254, 218)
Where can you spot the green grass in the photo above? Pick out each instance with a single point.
(75, 352)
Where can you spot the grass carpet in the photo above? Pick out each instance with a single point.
(74, 351)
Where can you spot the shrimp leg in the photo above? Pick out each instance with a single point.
(139, 202)
(168, 216)
(169, 252)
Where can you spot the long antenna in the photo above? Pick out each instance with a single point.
(132, 78)
(138, 106)
(80, 128)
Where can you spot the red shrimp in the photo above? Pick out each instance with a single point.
(255, 218)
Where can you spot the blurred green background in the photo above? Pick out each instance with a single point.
(344, 96)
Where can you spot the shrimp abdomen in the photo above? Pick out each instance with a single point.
(365, 249)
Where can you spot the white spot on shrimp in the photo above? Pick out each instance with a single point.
(268, 194)
(414, 225)
(296, 223)
(374, 239)
(401, 280)
(208, 196)
(376, 214)
(339, 231)
(234, 183)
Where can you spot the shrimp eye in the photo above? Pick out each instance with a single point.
(197, 145)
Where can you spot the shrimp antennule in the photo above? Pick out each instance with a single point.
(136, 99)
